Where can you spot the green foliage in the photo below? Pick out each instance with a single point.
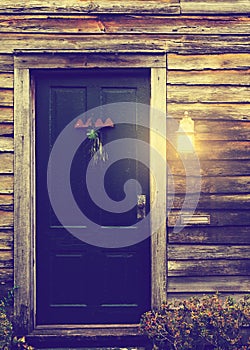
(209, 322)
(6, 327)
(6, 330)
(8, 339)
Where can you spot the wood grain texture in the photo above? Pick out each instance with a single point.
(214, 130)
(6, 97)
(210, 185)
(6, 80)
(127, 43)
(23, 223)
(208, 94)
(6, 219)
(209, 268)
(222, 130)
(88, 60)
(209, 61)
(213, 167)
(6, 63)
(215, 150)
(6, 202)
(6, 240)
(91, 6)
(158, 215)
(215, 7)
(6, 129)
(6, 114)
(223, 149)
(6, 259)
(183, 296)
(216, 111)
(210, 77)
(123, 24)
(198, 252)
(6, 184)
(137, 6)
(6, 144)
(212, 201)
(217, 218)
(176, 24)
(211, 235)
(6, 163)
(209, 284)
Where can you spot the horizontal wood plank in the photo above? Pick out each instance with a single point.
(6, 144)
(6, 129)
(50, 24)
(6, 63)
(199, 252)
(212, 150)
(6, 163)
(6, 80)
(123, 24)
(217, 218)
(91, 6)
(6, 259)
(230, 149)
(215, 7)
(6, 184)
(212, 77)
(222, 130)
(6, 240)
(6, 114)
(209, 185)
(176, 25)
(215, 201)
(215, 112)
(6, 219)
(210, 167)
(6, 202)
(6, 97)
(214, 130)
(185, 296)
(207, 94)
(209, 268)
(211, 235)
(126, 43)
(209, 61)
(67, 60)
(208, 284)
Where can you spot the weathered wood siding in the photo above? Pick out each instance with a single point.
(6, 174)
(208, 64)
(215, 90)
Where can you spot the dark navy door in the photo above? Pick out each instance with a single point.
(78, 283)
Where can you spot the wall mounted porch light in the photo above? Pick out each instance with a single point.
(185, 135)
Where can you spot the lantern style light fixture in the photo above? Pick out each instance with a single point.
(185, 135)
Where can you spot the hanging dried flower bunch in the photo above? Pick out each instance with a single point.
(97, 151)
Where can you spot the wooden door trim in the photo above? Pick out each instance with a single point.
(24, 183)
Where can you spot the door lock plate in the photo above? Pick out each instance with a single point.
(141, 206)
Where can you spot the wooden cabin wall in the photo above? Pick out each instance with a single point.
(6, 174)
(214, 89)
(208, 64)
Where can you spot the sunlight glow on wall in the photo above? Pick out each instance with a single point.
(185, 135)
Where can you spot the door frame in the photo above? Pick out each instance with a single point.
(24, 181)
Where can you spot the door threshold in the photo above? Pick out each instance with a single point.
(90, 336)
(134, 326)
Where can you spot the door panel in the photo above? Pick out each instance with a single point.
(77, 282)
